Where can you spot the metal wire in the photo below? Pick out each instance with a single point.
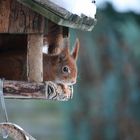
(3, 101)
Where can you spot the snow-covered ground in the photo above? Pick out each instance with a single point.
(86, 7)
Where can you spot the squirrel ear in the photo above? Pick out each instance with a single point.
(76, 49)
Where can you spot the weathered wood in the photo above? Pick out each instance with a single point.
(35, 58)
(34, 90)
(17, 18)
(55, 37)
(54, 7)
(60, 15)
(4, 15)
(24, 20)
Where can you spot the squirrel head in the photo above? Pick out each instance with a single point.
(66, 70)
(61, 67)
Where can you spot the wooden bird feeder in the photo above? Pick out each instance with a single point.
(23, 25)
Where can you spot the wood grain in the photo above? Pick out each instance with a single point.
(4, 15)
(35, 58)
(24, 20)
(17, 18)
(33, 90)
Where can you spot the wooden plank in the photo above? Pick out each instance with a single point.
(24, 20)
(53, 13)
(33, 90)
(35, 58)
(42, 10)
(60, 11)
(4, 15)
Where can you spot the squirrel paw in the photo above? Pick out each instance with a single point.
(67, 91)
(59, 92)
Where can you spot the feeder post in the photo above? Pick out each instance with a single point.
(55, 36)
(35, 58)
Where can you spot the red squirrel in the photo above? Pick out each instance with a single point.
(60, 68)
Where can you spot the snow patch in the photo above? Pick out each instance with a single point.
(79, 7)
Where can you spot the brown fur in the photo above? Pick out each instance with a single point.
(13, 65)
(55, 63)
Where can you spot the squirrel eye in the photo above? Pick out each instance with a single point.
(66, 69)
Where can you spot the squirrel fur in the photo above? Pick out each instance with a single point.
(60, 68)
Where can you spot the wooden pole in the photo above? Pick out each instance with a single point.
(55, 36)
(34, 90)
(35, 58)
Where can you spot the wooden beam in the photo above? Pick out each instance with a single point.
(55, 36)
(4, 15)
(33, 90)
(60, 15)
(35, 58)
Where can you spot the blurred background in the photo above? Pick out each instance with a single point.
(106, 98)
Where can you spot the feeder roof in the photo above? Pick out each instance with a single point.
(60, 15)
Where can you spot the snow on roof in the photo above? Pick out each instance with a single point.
(79, 7)
(69, 13)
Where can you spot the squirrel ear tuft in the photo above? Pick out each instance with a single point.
(76, 49)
